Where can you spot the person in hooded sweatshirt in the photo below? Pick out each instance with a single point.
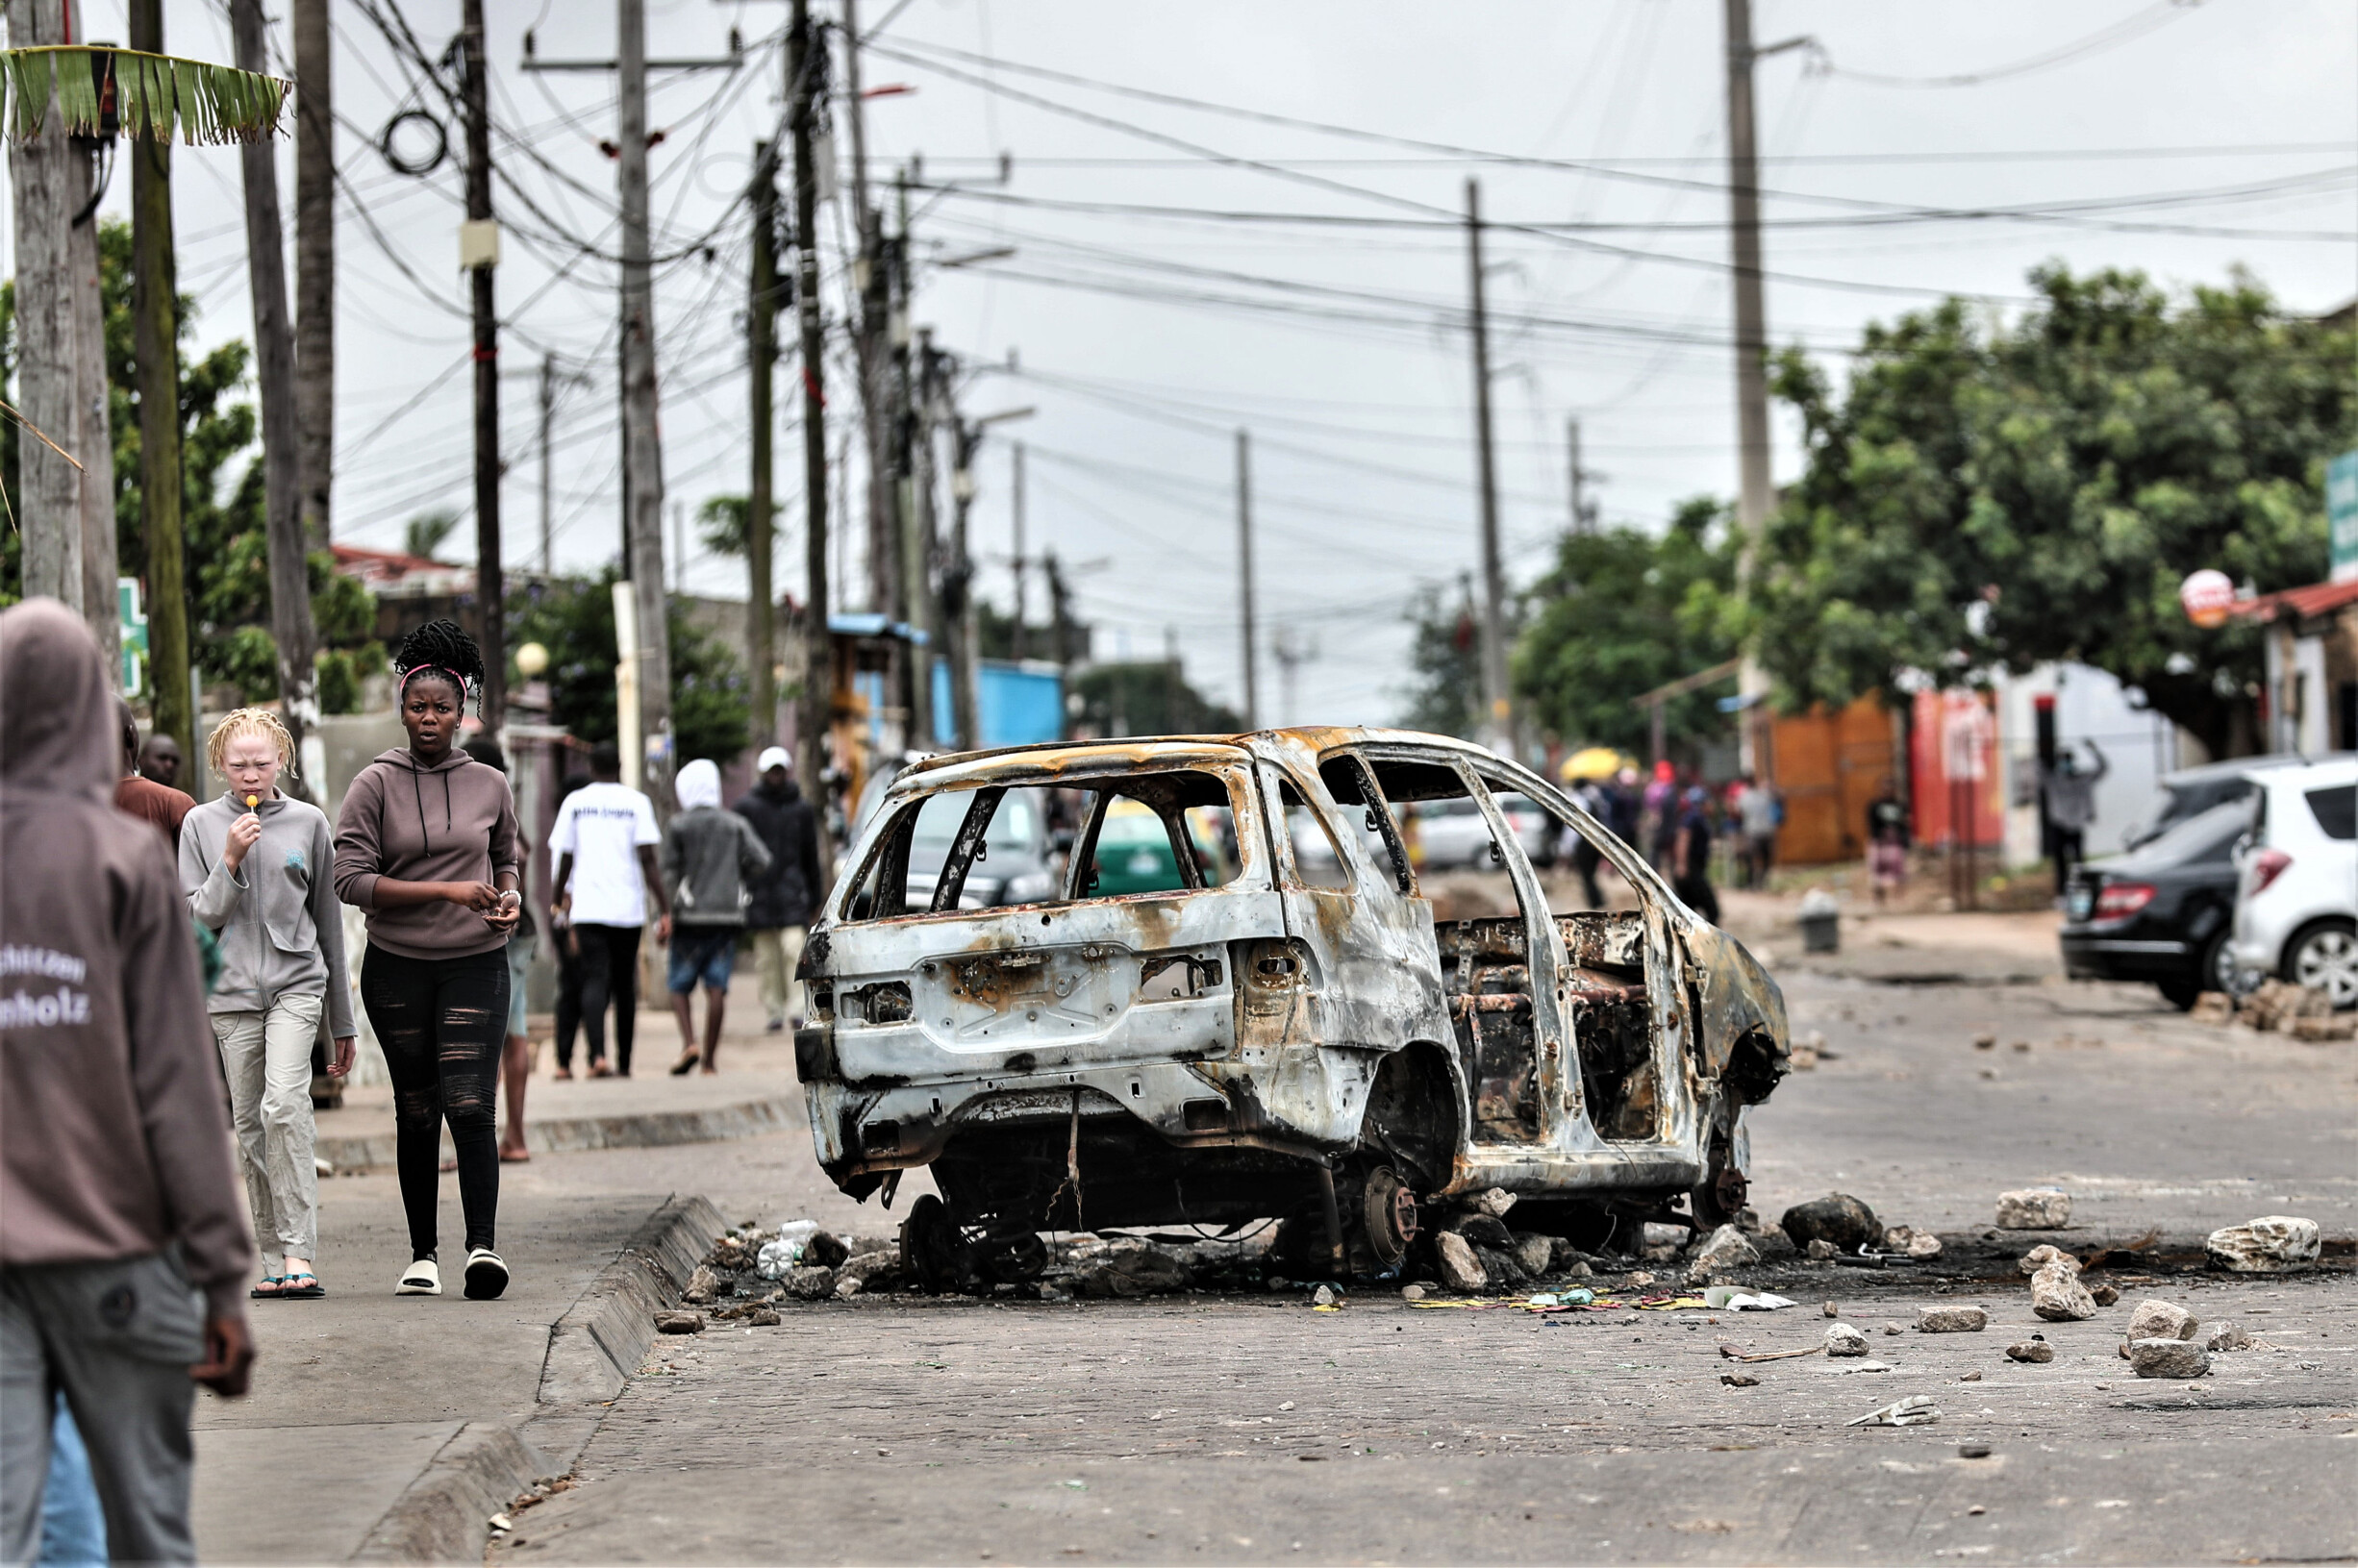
(709, 859)
(427, 844)
(779, 912)
(123, 1241)
(255, 865)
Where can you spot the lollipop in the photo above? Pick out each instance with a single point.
(252, 800)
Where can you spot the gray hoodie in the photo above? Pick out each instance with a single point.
(115, 1137)
(281, 926)
(708, 860)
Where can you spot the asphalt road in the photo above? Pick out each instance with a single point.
(1253, 1428)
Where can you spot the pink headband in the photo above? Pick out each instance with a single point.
(456, 679)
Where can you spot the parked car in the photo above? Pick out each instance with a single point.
(2297, 909)
(2162, 912)
(1012, 864)
(1135, 853)
(1454, 833)
(1290, 1034)
(2190, 792)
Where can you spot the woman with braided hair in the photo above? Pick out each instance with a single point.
(254, 864)
(427, 844)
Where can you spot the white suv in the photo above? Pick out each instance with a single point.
(2297, 905)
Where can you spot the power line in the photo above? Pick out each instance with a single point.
(2133, 26)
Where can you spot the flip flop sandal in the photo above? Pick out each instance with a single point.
(303, 1287)
(271, 1288)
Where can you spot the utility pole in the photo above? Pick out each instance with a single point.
(643, 502)
(314, 353)
(917, 529)
(1753, 496)
(1497, 707)
(1583, 510)
(1023, 562)
(156, 330)
(1059, 609)
(49, 180)
(93, 441)
(806, 72)
(760, 359)
(265, 258)
(1245, 574)
(872, 279)
(482, 260)
(958, 617)
(548, 490)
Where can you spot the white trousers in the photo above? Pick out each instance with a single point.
(267, 1057)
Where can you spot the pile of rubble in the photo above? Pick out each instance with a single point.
(2280, 1007)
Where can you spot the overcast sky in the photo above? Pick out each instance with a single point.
(1319, 300)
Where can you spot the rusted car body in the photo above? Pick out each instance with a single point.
(1291, 1033)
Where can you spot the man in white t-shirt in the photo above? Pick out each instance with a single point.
(605, 842)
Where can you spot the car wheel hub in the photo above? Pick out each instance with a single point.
(2329, 962)
(1388, 1212)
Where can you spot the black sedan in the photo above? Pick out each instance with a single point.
(2161, 912)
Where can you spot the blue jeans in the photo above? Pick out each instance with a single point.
(73, 1526)
(701, 953)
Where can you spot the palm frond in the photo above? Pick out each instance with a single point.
(153, 93)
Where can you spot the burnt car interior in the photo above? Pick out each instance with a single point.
(1485, 972)
(1193, 806)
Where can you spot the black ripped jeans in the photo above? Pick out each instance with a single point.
(442, 1023)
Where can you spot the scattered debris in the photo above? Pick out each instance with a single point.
(2161, 1320)
(1907, 1241)
(701, 1286)
(1984, 1042)
(1494, 1203)
(1837, 1218)
(783, 1251)
(1660, 1243)
(762, 1318)
(1731, 1299)
(2317, 1031)
(1842, 1340)
(1535, 1253)
(1893, 1329)
(1414, 1293)
(2281, 1004)
(1973, 1450)
(2034, 1209)
(2025, 1045)
(1723, 1251)
(1736, 1353)
(500, 1523)
(2035, 1350)
(2041, 1255)
(809, 1284)
(1848, 1367)
(1638, 1281)
(1460, 1269)
(1739, 1380)
(2104, 1295)
(1820, 1249)
(1914, 1411)
(1324, 1297)
(1832, 1309)
(679, 1323)
(2212, 1008)
(2057, 1295)
(1951, 1320)
(1139, 1270)
(2271, 1244)
(2226, 1337)
(1807, 1050)
(1969, 1377)
(2169, 1358)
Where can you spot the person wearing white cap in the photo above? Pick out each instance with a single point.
(782, 896)
(708, 860)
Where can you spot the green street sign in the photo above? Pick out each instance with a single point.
(135, 633)
(2342, 516)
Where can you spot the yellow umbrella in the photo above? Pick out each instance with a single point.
(1593, 763)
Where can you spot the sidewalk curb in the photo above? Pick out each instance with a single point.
(648, 1130)
(443, 1515)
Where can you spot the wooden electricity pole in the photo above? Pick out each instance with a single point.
(1497, 707)
(47, 174)
(482, 261)
(314, 299)
(643, 500)
(1244, 577)
(156, 345)
(291, 594)
(761, 360)
(806, 75)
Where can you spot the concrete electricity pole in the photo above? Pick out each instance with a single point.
(806, 73)
(479, 253)
(156, 346)
(1244, 576)
(49, 177)
(643, 503)
(265, 252)
(314, 300)
(1583, 510)
(1497, 706)
(762, 301)
(871, 332)
(1023, 562)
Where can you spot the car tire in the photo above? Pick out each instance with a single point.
(2214, 971)
(2324, 956)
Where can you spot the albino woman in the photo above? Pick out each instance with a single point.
(256, 865)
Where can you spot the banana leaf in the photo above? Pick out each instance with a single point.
(153, 94)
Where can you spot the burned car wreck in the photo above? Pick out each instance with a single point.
(1282, 1029)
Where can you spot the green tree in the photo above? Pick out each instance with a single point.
(1149, 697)
(423, 534)
(1622, 613)
(229, 580)
(1986, 493)
(1444, 659)
(721, 523)
(574, 620)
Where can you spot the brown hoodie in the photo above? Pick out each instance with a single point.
(114, 1141)
(452, 822)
